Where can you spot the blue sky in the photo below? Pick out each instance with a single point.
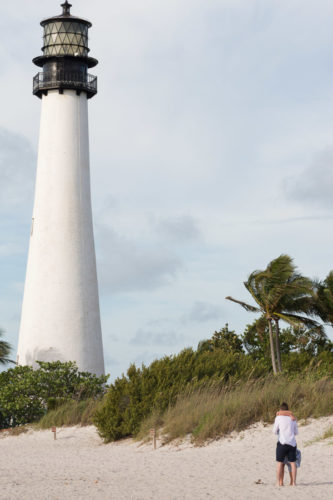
(211, 144)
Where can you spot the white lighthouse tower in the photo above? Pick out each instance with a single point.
(60, 313)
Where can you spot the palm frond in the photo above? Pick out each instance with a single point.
(296, 320)
(257, 295)
(245, 306)
(5, 349)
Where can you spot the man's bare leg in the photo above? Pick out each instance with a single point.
(279, 473)
(293, 473)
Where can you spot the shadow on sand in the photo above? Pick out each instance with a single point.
(315, 484)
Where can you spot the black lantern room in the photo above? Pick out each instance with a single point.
(65, 59)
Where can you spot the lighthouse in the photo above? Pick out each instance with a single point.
(60, 312)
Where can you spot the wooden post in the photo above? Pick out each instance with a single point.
(54, 430)
(153, 435)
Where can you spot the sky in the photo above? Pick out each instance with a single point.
(211, 152)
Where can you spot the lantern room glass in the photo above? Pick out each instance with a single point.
(65, 38)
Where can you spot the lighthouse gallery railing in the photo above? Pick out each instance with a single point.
(65, 80)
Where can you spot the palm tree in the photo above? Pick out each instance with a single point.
(324, 299)
(5, 349)
(280, 293)
(295, 297)
(254, 286)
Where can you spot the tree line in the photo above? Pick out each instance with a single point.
(282, 293)
(226, 359)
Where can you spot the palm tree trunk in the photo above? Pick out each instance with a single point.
(277, 345)
(271, 343)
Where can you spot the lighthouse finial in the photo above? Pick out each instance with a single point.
(66, 8)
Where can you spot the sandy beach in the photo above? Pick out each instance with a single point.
(78, 465)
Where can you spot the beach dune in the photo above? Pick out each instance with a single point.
(78, 465)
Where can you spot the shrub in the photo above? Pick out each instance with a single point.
(27, 394)
(212, 412)
(19, 399)
(144, 390)
(144, 395)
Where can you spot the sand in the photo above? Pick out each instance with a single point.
(78, 465)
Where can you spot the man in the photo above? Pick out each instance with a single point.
(285, 426)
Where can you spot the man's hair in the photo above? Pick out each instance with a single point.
(284, 406)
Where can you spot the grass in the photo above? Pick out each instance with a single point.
(16, 431)
(70, 413)
(326, 435)
(22, 429)
(213, 412)
(153, 421)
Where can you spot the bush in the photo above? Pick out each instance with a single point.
(135, 401)
(212, 412)
(20, 402)
(27, 394)
(144, 390)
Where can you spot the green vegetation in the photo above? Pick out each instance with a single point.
(5, 349)
(281, 293)
(132, 398)
(216, 411)
(324, 299)
(70, 413)
(216, 372)
(27, 394)
(326, 435)
(229, 382)
(230, 375)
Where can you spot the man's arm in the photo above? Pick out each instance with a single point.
(295, 427)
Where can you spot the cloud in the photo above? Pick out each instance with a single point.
(126, 265)
(146, 337)
(202, 312)
(17, 162)
(181, 229)
(314, 184)
(291, 220)
(161, 321)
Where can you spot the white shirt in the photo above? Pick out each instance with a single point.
(286, 428)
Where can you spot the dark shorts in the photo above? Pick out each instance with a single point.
(285, 450)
